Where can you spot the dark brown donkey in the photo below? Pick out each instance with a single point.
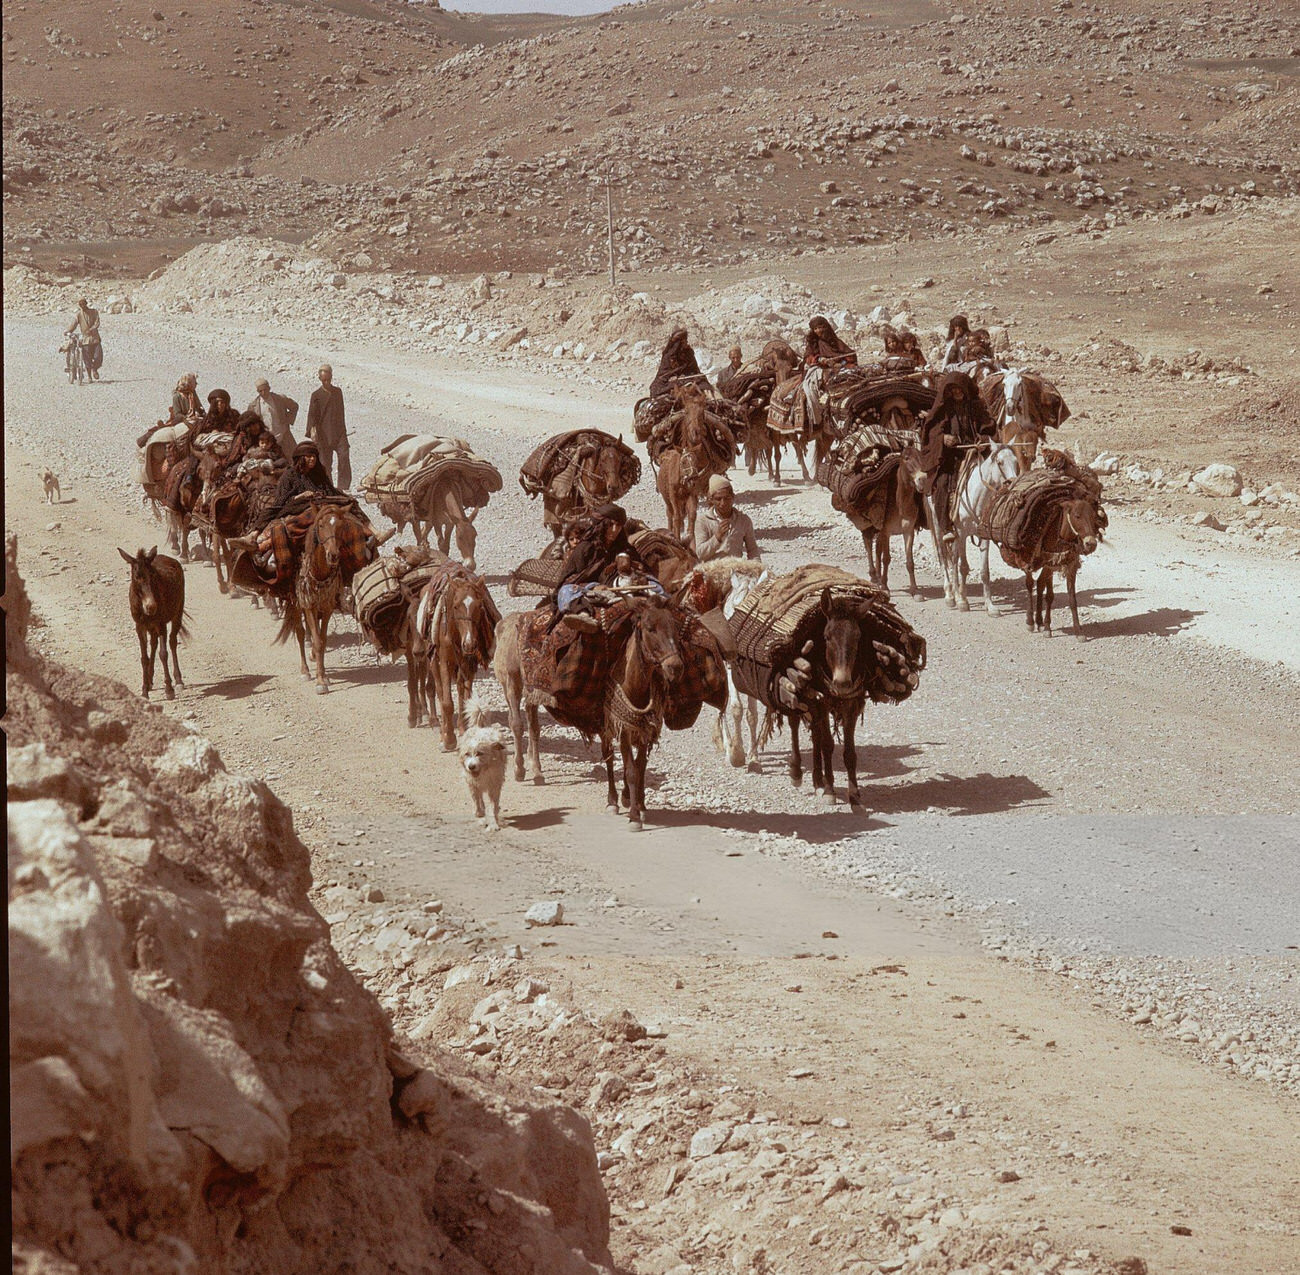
(157, 597)
(650, 658)
(1075, 529)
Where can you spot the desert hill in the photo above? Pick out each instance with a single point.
(445, 142)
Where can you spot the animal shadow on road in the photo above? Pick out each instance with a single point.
(795, 531)
(1162, 622)
(551, 817)
(981, 794)
(240, 687)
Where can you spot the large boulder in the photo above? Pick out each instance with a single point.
(1218, 480)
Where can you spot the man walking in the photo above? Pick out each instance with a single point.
(327, 428)
(85, 323)
(728, 373)
(278, 413)
(721, 530)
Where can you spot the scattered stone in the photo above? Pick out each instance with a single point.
(547, 912)
(709, 1140)
(1218, 480)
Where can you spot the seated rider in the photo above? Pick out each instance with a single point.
(824, 352)
(221, 416)
(588, 562)
(185, 400)
(958, 336)
(676, 363)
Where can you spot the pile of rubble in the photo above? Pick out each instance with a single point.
(198, 1081)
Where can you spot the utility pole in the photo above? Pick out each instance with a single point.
(609, 217)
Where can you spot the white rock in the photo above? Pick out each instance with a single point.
(1249, 498)
(1218, 480)
(547, 912)
(1207, 519)
(709, 1140)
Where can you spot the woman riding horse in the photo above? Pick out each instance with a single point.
(824, 353)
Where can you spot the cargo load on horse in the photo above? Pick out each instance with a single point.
(383, 590)
(433, 483)
(160, 449)
(644, 664)
(578, 470)
(1043, 522)
(813, 646)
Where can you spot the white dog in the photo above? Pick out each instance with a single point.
(482, 750)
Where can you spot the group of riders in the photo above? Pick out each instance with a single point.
(255, 443)
(957, 420)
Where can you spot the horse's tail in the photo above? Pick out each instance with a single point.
(183, 626)
(288, 627)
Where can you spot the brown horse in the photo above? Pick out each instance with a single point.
(157, 601)
(685, 467)
(1075, 528)
(598, 480)
(838, 693)
(650, 659)
(184, 486)
(336, 548)
(452, 636)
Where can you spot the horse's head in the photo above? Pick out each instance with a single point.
(780, 359)
(1082, 524)
(841, 646)
(656, 635)
(1001, 465)
(144, 581)
(325, 533)
(463, 608)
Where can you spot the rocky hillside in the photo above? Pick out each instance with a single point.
(198, 1082)
(404, 137)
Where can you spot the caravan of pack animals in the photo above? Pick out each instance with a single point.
(637, 628)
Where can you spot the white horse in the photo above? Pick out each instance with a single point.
(983, 480)
(727, 733)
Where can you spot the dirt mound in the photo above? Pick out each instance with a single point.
(198, 1082)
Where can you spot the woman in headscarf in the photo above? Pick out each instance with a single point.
(823, 352)
(958, 334)
(676, 362)
(221, 416)
(185, 399)
(593, 557)
(823, 347)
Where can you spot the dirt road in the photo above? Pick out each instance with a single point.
(1129, 794)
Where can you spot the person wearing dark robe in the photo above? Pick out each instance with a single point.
(221, 416)
(304, 474)
(823, 353)
(824, 348)
(677, 362)
(958, 415)
(958, 335)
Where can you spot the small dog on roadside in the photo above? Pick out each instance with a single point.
(482, 751)
(53, 492)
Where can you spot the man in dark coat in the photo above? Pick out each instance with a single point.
(676, 362)
(327, 426)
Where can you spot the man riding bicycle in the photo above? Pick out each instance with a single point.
(85, 325)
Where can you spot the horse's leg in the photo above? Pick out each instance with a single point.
(611, 793)
(909, 540)
(939, 552)
(800, 450)
(1049, 596)
(175, 639)
(774, 460)
(319, 639)
(300, 631)
(849, 724)
(442, 688)
(146, 669)
(627, 750)
(1070, 573)
(796, 762)
(413, 705)
(732, 731)
(751, 712)
(535, 743)
(160, 648)
(1029, 600)
(640, 755)
(986, 580)
(961, 562)
(513, 688)
(870, 545)
(822, 744)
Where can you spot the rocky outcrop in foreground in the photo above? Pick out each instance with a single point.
(198, 1083)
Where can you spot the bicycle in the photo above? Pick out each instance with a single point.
(75, 364)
